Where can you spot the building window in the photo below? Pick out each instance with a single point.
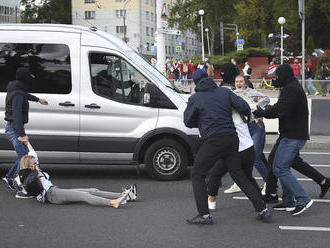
(89, 1)
(152, 32)
(147, 15)
(147, 31)
(121, 29)
(89, 14)
(152, 16)
(147, 1)
(148, 46)
(120, 13)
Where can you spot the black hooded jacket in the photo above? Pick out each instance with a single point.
(291, 107)
(17, 101)
(229, 73)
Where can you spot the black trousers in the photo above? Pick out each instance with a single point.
(298, 164)
(219, 170)
(225, 147)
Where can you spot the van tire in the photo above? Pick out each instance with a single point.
(166, 159)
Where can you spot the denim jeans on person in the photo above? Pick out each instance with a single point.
(310, 86)
(293, 193)
(258, 135)
(19, 147)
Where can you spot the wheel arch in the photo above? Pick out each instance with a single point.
(190, 143)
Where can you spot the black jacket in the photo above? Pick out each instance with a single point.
(17, 101)
(291, 107)
(210, 109)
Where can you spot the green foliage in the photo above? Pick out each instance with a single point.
(310, 45)
(240, 57)
(49, 11)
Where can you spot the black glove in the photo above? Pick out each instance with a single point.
(259, 112)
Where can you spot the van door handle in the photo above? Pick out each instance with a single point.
(93, 106)
(66, 104)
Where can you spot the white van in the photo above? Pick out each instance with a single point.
(107, 105)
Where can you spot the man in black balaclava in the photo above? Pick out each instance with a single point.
(292, 111)
(16, 115)
(228, 74)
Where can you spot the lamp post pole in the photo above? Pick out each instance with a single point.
(208, 41)
(201, 13)
(281, 21)
(124, 19)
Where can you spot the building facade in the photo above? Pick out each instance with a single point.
(135, 21)
(9, 11)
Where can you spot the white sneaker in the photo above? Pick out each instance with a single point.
(316, 93)
(263, 191)
(212, 205)
(233, 189)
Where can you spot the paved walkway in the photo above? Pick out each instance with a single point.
(317, 142)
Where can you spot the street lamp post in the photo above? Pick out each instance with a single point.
(281, 21)
(237, 35)
(208, 41)
(201, 13)
(124, 19)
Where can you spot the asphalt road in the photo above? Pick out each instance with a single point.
(157, 219)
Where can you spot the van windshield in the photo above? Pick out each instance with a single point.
(155, 73)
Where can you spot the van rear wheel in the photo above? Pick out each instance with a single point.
(166, 159)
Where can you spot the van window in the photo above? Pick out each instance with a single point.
(49, 63)
(113, 78)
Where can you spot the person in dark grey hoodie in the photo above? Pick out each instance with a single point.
(210, 109)
(16, 115)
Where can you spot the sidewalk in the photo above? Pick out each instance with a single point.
(316, 142)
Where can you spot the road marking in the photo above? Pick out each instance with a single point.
(305, 228)
(299, 179)
(315, 200)
(312, 153)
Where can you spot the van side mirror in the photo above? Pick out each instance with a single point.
(146, 98)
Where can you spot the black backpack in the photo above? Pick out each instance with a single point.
(31, 183)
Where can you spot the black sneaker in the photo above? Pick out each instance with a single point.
(200, 220)
(22, 195)
(264, 215)
(9, 183)
(281, 207)
(269, 198)
(325, 187)
(299, 209)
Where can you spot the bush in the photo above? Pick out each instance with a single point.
(240, 57)
(322, 60)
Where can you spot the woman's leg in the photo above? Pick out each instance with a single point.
(64, 196)
(97, 192)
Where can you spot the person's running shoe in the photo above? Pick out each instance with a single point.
(325, 187)
(233, 189)
(269, 198)
(22, 195)
(9, 183)
(299, 209)
(264, 215)
(201, 220)
(124, 197)
(281, 207)
(212, 204)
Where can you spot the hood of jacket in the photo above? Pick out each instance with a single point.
(284, 75)
(205, 84)
(23, 74)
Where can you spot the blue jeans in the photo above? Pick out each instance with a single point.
(310, 86)
(285, 154)
(19, 147)
(258, 135)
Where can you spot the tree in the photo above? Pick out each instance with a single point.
(184, 14)
(310, 45)
(48, 11)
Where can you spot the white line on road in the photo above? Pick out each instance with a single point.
(315, 200)
(305, 228)
(299, 179)
(312, 153)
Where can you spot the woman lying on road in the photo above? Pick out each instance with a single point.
(36, 183)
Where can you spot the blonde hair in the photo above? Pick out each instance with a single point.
(25, 162)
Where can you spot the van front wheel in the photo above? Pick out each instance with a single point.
(166, 159)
